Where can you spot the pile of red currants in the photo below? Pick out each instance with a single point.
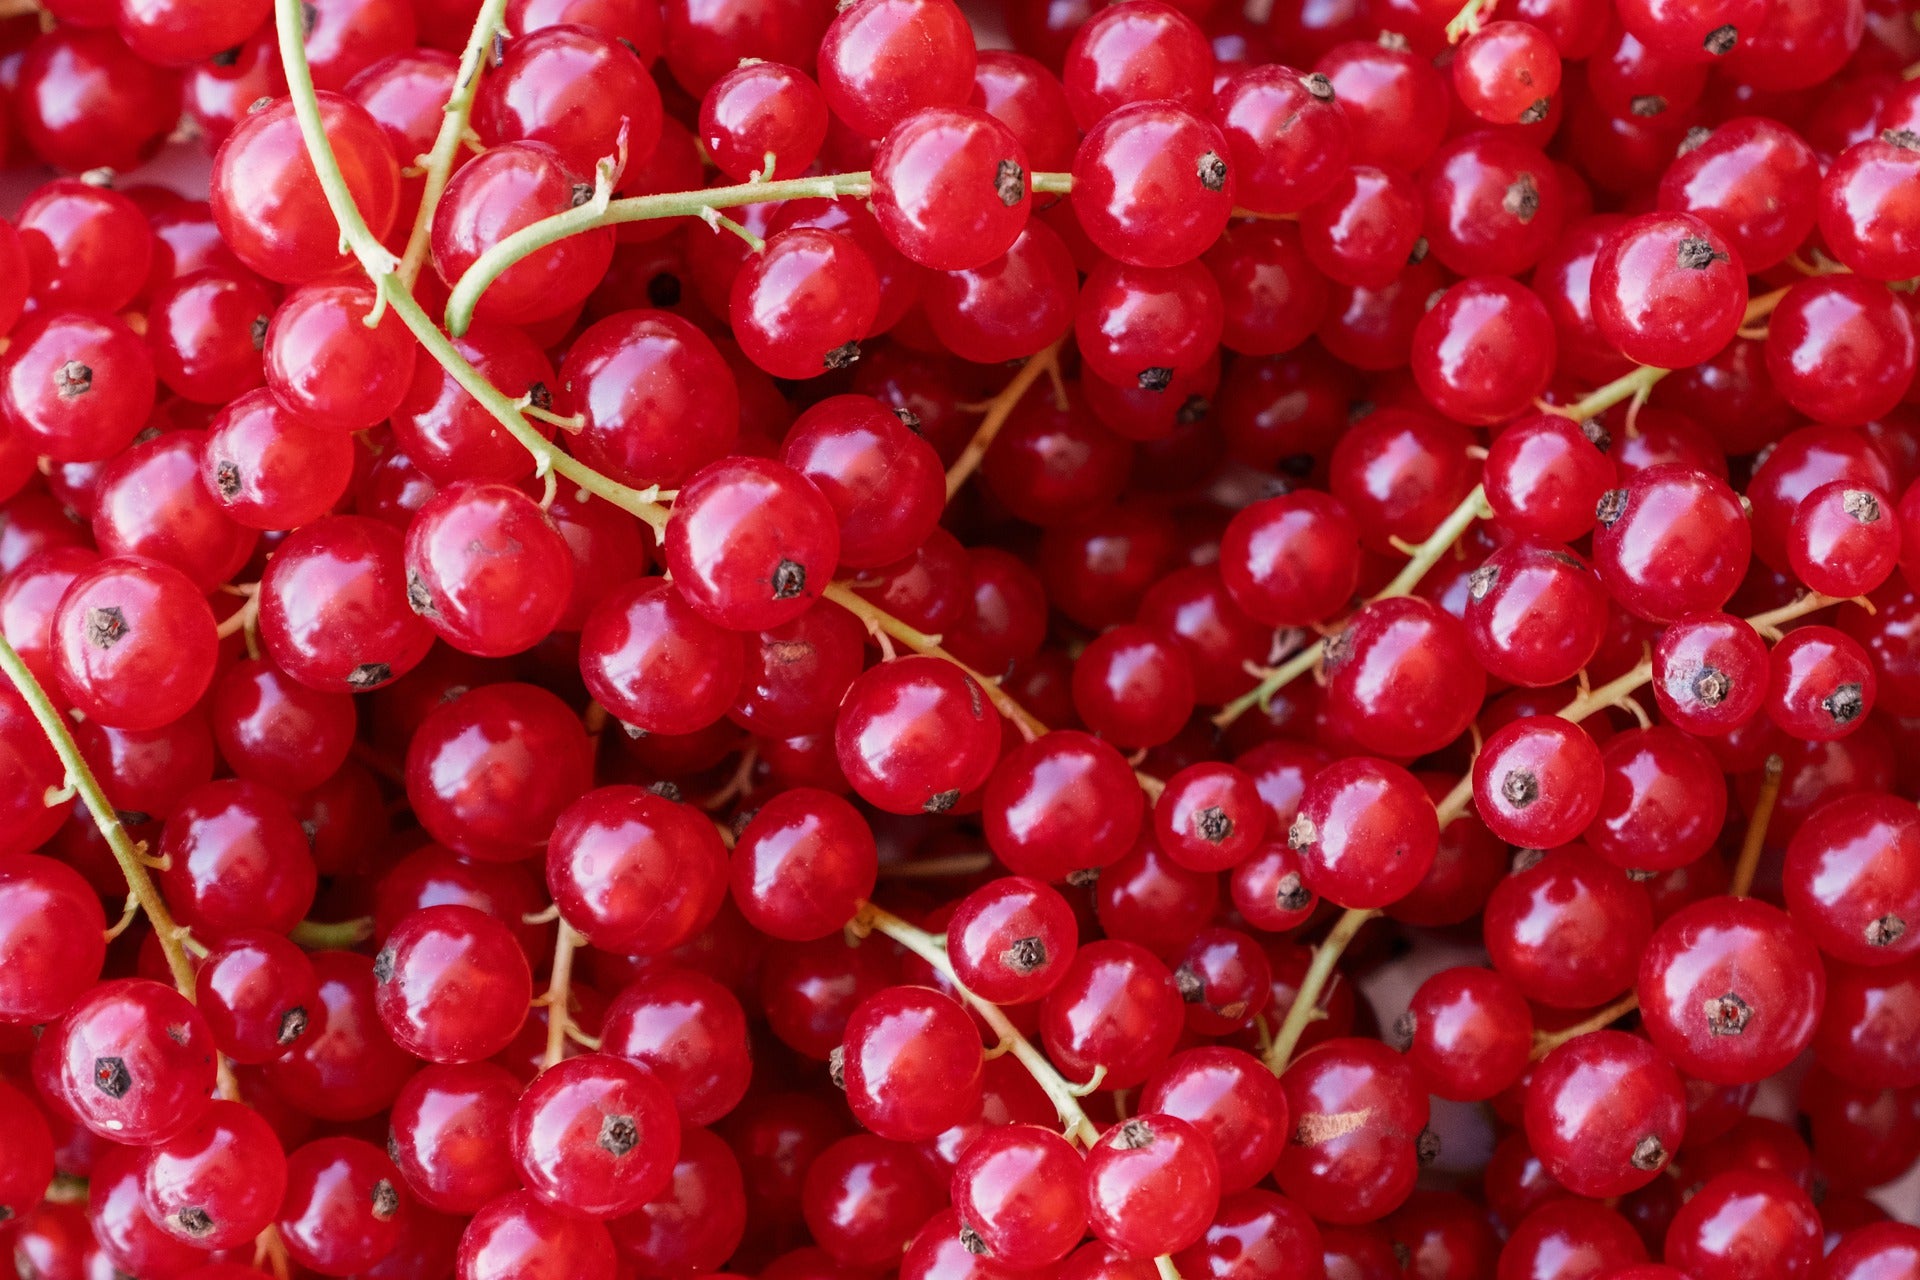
(676, 637)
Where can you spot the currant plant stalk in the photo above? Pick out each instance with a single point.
(133, 866)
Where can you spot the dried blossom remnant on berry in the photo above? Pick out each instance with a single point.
(1647, 105)
(1404, 1028)
(1885, 931)
(106, 626)
(970, 1241)
(293, 1025)
(1696, 253)
(1649, 1154)
(226, 478)
(1302, 833)
(1905, 139)
(385, 1200)
(383, 965)
(195, 1221)
(369, 675)
(837, 1066)
(1861, 505)
(941, 801)
(1010, 182)
(72, 379)
(1845, 704)
(1520, 788)
(419, 599)
(1156, 378)
(1727, 1015)
(1711, 686)
(1135, 1135)
(1212, 171)
(1695, 138)
(1721, 40)
(1426, 1148)
(1192, 989)
(1212, 824)
(1024, 955)
(1291, 892)
(1523, 198)
(1612, 505)
(1482, 580)
(844, 356)
(1527, 859)
(789, 579)
(1536, 111)
(618, 1134)
(111, 1077)
(1318, 87)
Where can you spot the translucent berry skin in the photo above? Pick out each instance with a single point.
(912, 1063)
(1673, 541)
(1365, 832)
(916, 734)
(1841, 349)
(1730, 989)
(1133, 686)
(1605, 1112)
(1568, 928)
(1755, 180)
(487, 569)
(1470, 1032)
(1536, 613)
(52, 942)
(1010, 308)
(1876, 1249)
(1867, 213)
(751, 543)
(267, 199)
(1232, 1100)
(1065, 802)
(1142, 52)
(1116, 1007)
(1021, 1189)
(1507, 73)
(1291, 560)
(882, 60)
(78, 384)
(638, 873)
(1012, 939)
(1140, 326)
(800, 307)
(759, 108)
(1485, 351)
(632, 375)
(1537, 782)
(133, 643)
(203, 326)
(864, 1198)
(1662, 800)
(345, 1206)
(489, 773)
(883, 480)
(333, 606)
(236, 859)
(1668, 290)
(367, 371)
(1403, 677)
(136, 1061)
(1493, 204)
(802, 865)
(452, 984)
(1850, 879)
(655, 662)
(495, 194)
(1210, 817)
(1151, 184)
(1566, 1235)
(1152, 1185)
(1746, 1224)
(218, 1183)
(257, 992)
(1399, 472)
(29, 1163)
(1709, 673)
(1287, 136)
(950, 188)
(595, 1135)
(449, 1135)
(690, 1032)
(1844, 540)
(519, 1237)
(269, 469)
(579, 90)
(1342, 1172)
(1820, 684)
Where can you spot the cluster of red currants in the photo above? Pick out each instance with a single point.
(527, 754)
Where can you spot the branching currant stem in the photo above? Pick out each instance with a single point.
(1545, 1042)
(452, 136)
(1307, 1000)
(1073, 1117)
(560, 994)
(1425, 556)
(125, 852)
(1757, 824)
(999, 409)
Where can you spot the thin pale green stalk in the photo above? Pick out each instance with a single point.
(452, 135)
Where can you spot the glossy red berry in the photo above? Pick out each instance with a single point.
(1605, 1111)
(1153, 1185)
(910, 1063)
(1537, 782)
(1365, 832)
(596, 1136)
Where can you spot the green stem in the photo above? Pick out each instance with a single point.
(1424, 557)
(606, 213)
(934, 951)
(1045, 184)
(80, 776)
(340, 935)
(1306, 1001)
(452, 135)
(383, 269)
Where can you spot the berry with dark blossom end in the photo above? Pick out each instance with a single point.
(595, 1135)
(1152, 1185)
(1605, 1111)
